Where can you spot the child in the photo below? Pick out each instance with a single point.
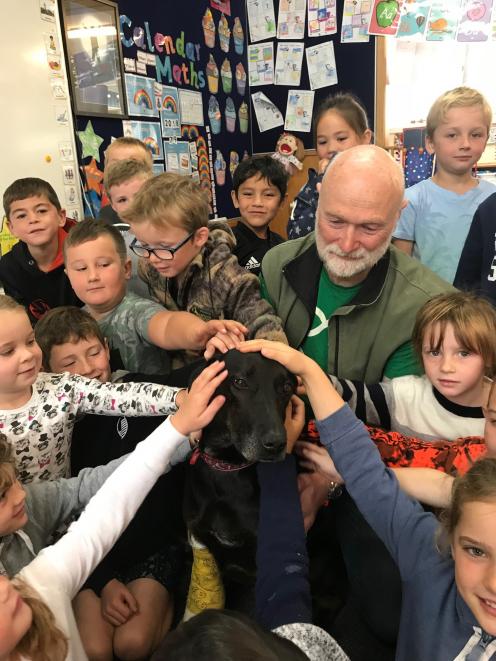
(477, 267)
(145, 564)
(434, 225)
(38, 410)
(340, 122)
(139, 329)
(448, 598)
(36, 613)
(187, 263)
(454, 338)
(33, 271)
(123, 149)
(260, 185)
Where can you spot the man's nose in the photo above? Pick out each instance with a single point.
(348, 242)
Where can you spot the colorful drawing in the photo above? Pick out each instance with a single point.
(140, 96)
(442, 23)
(224, 34)
(170, 117)
(413, 20)
(169, 103)
(212, 75)
(147, 132)
(239, 37)
(222, 5)
(220, 168)
(385, 16)
(475, 22)
(233, 162)
(356, 17)
(214, 116)
(240, 78)
(208, 28)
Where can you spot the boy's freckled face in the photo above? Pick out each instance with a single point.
(170, 236)
(97, 274)
(258, 201)
(86, 357)
(122, 195)
(35, 220)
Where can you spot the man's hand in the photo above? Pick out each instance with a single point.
(221, 335)
(118, 603)
(294, 422)
(313, 488)
(316, 459)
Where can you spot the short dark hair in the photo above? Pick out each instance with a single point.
(264, 166)
(348, 106)
(20, 189)
(67, 323)
(89, 230)
(224, 635)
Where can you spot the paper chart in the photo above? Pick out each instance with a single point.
(191, 107)
(321, 65)
(177, 157)
(291, 19)
(170, 116)
(267, 114)
(261, 63)
(299, 111)
(321, 18)
(147, 132)
(356, 17)
(288, 63)
(140, 96)
(261, 19)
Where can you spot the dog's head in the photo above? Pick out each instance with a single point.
(250, 425)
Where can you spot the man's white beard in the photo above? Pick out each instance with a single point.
(357, 261)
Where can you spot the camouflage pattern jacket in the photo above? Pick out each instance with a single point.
(215, 286)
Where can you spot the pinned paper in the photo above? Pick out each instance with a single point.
(222, 5)
(238, 36)
(66, 151)
(129, 65)
(147, 132)
(289, 61)
(261, 19)
(208, 28)
(234, 158)
(413, 20)
(299, 111)
(219, 168)
(212, 73)
(58, 88)
(442, 23)
(90, 142)
(170, 117)
(356, 17)
(140, 96)
(385, 17)
(321, 65)
(177, 157)
(230, 115)
(61, 115)
(475, 23)
(224, 34)
(240, 78)
(267, 114)
(69, 174)
(70, 193)
(261, 63)
(52, 44)
(47, 10)
(321, 18)
(291, 19)
(191, 107)
(54, 62)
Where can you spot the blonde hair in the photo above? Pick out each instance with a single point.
(130, 142)
(473, 320)
(8, 303)
(460, 97)
(119, 172)
(44, 640)
(169, 199)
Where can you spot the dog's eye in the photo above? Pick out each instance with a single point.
(240, 383)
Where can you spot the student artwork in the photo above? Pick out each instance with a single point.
(54, 62)
(51, 43)
(69, 174)
(58, 88)
(140, 96)
(356, 17)
(212, 73)
(238, 36)
(224, 34)
(243, 118)
(208, 28)
(267, 114)
(230, 115)
(385, 17)
(413, 20)
(233, 162)
(191, 133)
(261, 63)
(191, 107)
(261, 19)
(475, 23)
(214, 116)
(170, 116)
(219, 168)
(321, 65)
(443, 19)
(289, 152)
(291, 19)
(226, 76)
(240, 79)
(61, 115)
(222, 5)
(288, 65)
(147, 132)
(47, 10)
(177, 157)
(299, 111)
(322, 17)
(90, 142)
(66, 151)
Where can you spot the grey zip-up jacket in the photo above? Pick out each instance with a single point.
(49, 505)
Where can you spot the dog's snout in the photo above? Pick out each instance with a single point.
(273, 442)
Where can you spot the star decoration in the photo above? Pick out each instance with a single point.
(90, 141)
(94, 176)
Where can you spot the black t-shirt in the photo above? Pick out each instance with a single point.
(250, 250)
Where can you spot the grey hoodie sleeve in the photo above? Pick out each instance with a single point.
(51, 503)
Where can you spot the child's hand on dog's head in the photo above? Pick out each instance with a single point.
(294, 361)
(294, 421)
(198, 408)
(222, 335)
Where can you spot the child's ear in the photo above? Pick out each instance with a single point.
(11, 228)
(128, 268)
(429, 145)
(367, 137)
(283, 197)
(234, 198)
(107, 348)
(319, 186)
(62, 217)
(201, 236)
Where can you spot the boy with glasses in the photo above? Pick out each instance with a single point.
(98, 269)
(188, 263)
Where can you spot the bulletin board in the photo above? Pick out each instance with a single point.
(355, 67)
(196, 50)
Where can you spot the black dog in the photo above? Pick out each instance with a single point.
(222, 494)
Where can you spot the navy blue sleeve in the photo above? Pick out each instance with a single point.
(282, 587)
(468, 275)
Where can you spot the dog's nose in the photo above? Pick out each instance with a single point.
(273, 442)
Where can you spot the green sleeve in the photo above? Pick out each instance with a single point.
(402, 362)
(263, 290)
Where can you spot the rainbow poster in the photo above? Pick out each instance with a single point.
(148, 132)
(140, 96)
(170, 117)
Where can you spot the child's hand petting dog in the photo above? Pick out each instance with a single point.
(118, 604)
(294, 421)
(222, 335)
(198, 408)
(315, 458)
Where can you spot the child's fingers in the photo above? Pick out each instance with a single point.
(212, 409)
(207, 374)
(131, 601)
(250, 346)
(298, 408)
(235, 327)
(307, 465)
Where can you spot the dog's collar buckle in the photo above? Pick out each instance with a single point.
(217, 464)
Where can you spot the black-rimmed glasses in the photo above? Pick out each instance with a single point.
(161, 253)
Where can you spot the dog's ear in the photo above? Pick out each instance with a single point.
(200, 365)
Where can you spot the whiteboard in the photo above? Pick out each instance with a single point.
(31, 135)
